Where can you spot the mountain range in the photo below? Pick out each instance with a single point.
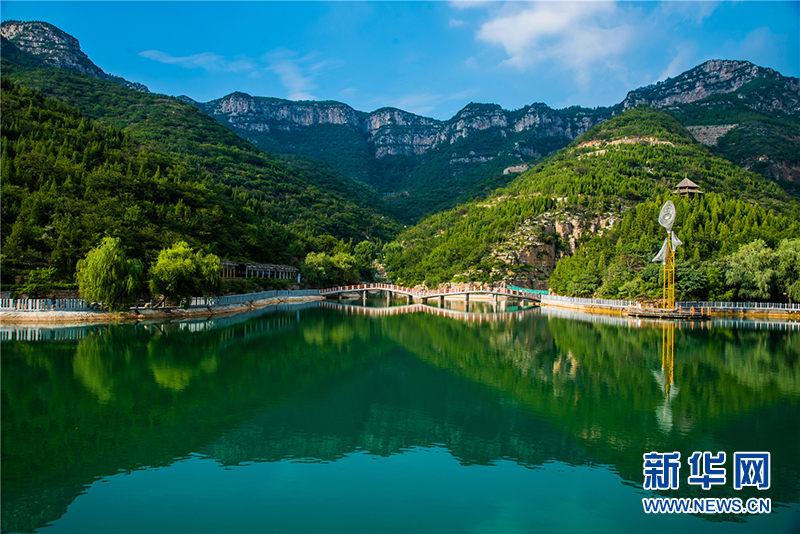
(499, 195)
(424, 165)
(421, 165)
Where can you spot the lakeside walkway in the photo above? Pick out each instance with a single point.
(78, 311)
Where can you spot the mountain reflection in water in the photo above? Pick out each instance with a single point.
(534, 389)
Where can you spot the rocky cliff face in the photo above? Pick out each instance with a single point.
(391, 131)
(56, 49)
(262, 114)
(544, 240)
(711, 78)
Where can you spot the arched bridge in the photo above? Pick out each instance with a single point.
(424, 295)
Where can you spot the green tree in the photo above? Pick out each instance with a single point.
(788, 271)
(39, 283)
(180, 273)
(752, 270)
(317, 269)
(323, 270)
(365, 253)
(107, 275)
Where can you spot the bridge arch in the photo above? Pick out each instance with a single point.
(432, 293)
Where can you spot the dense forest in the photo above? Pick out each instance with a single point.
(69, 181)
(319, 200)
(621, 170)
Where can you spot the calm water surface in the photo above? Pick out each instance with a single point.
(323, 418)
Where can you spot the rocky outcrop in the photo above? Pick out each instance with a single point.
(56, 49)
(479, 134)
(393, 132)
(533, 251)
(256, 113)
(709, 135)
(711, 78)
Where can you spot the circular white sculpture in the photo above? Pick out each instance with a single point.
(667, 216)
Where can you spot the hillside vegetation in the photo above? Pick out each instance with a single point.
(311, 200)
(69, 181)
(619, 173)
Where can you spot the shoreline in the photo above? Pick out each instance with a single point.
(99, 317)
(78, 317)
(756, 313)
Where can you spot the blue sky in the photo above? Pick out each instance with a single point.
(430, 58)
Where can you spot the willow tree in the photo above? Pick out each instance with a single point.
(180, 273)
(108, 276)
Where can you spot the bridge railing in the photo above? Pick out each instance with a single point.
(432, 292)
(366, 287)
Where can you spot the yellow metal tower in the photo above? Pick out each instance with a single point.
(667, 253)
(669, 277)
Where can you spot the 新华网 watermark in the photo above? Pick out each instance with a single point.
(661, 472)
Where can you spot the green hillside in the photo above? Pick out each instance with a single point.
(618, 173)
(68, 181)
(279, 192)
(765, 137)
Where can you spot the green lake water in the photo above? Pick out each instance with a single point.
(333, 418)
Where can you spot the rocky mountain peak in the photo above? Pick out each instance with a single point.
(57, 49)
(716, 76)
(51, 45)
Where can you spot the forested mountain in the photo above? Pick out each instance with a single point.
(599, 199)
(103, 159)
(420, 165)
(423, 165)
(756, 127)
(745, 113)
(153, 170)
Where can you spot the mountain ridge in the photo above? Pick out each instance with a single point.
(410, 158)
(422, 165)
(57, 49)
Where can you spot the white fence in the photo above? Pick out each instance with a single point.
(81, 304)
(733, 306)
(250, 297)
(607, 303)
(43, 304)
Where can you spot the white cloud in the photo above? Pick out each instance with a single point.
(456, 23)
(295, 73)
(206, 60)
(760, 43)
(293, 79)
(685, 59)
(695, 12)
(576, 35)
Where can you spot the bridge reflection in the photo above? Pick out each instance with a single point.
(424, 308)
